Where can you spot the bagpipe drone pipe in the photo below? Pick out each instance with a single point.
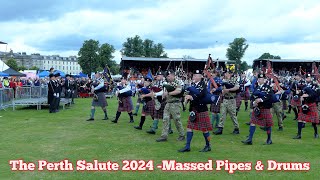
(145, 90)
(207, 99)
(274, 99)
(125, 94)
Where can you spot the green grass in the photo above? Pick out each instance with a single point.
(35, 135)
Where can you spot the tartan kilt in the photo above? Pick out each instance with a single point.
(264, 119)
(284, 104)
(312, 116)
(238, 100)
(159, 113)
(295, 103)
(245, 95)
(202, 122)
(126, 105)
(216, 108)
(102, 101)
(149, 109)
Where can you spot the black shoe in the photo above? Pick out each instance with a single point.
(218, 131)
(138, 127)
(284, 117)
(91, 119)
(295, 118)
(247, 142)
(248, 123)
(236, 131)
(161, 139)
(184, 150)
(105, 118)
(170, 132)
(268, 142)
(280, 129)
(131, 121)
(135, 114)
(206, 149)
(297, 137)
(115, 121)
(263, 128)
(151, 131)
(181, 138)
(316, 136)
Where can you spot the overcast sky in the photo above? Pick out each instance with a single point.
(289, 28)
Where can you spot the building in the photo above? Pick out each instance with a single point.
(291, 65)
(44, 62)
(142, 64)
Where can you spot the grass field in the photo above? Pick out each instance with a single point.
(35, 135)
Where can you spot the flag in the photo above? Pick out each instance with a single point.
(149, 75)
(107, 75)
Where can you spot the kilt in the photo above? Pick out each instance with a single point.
(202, 122)
(295, 103)
(126, 105)
(102, 101)
(216, 108)
(284, 104)
(238, 100)
(245, 95)
(264, 119)
(149, 109)
(312, 116)
(159, 113)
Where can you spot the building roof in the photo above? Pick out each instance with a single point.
(125, 58)
(1, 42)
(288, 60)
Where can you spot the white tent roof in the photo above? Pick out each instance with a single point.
(3, 66)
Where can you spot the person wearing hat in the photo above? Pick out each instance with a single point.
(159, 102)
(59, 90)
(52, 94)
(67, 87)
(261, 114)
(296, 87)
(308, 112)
(98, 89)
(124, 94)
(228, 106)
(199, 116)
(74, 88)
(172, 93)
(139, 84)
(215, 107)
(147, 101)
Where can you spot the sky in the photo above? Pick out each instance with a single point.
(288, 28)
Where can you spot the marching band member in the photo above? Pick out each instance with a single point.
(201, 120)
(261, 114)
(308, 112)
(124, 94)
(230, 85)
(98, 89)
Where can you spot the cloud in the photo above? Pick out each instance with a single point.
(185, 27)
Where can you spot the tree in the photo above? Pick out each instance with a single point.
(136, 47)
(244, 66)
(34, 68)
(22, 68)
(236, 50)
(12, 63)
(268, 56)
(105, 55)
(88, 56)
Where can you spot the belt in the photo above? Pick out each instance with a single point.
(228, 98)
(176, 101)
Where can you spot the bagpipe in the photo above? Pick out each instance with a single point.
(125, 94)
(145, 90)
(274, 99)
(171, 87)
(208, 98)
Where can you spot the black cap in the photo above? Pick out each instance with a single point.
(160, 73)
(261, 75)
(197, 71)
(147, 79)
(68, 75)
(51, 75)
(169, 72)
(308, 75)
(57, 75)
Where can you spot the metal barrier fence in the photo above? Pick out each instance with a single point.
(6, 97)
